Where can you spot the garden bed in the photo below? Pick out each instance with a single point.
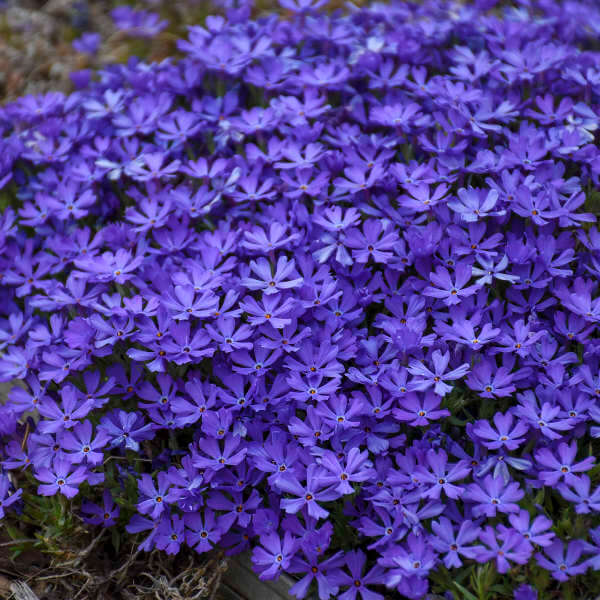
(315, 289)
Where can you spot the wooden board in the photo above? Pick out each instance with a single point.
(240, 582)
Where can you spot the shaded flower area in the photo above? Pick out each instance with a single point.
(322, 286)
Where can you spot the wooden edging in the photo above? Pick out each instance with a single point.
(240, 582)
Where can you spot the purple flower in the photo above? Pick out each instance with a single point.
(274, 555)
(536, 207)
(507, 433)
(414, 559)
(453, 544)
(425, 378)
(151, 166)
(237, 509)
(183, 303)
(525, 592)
(117, 267)
(419, 410)
(492, 494)
(126, 429)
(185, 345)
(452, 291)
(88, 43)
(66, 415)
(105, 515)
(272, 311)
(357, 468)
(257, 364)
(577, 491)
(154, 500)
(82, 446)
(420, 198)
(229, 337)
(545, 419)
(302, 5)
(488, 270)
(474, 204)
(307, 495)
(7, 496)
(199, 398)
(202, 530)
(561, 561)
(357, 581)
(170, 534)
(214, 457)
(374, 242)
(490, 381)
(536, 531)
(137, 23)
(439, 475)
(60, 478)
(503, 547)
(272, 282)
(258, 241)
(138, 524)
(563, 465)
(321, 571)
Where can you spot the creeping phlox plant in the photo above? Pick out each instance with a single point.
(324, 287)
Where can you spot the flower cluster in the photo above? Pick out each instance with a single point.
(325, 288)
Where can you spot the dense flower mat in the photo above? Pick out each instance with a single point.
(326, 288)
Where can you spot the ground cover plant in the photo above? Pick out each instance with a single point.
(322, 286)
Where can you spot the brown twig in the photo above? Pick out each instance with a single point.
(57, 576)
(13, 542)
(216, 585)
